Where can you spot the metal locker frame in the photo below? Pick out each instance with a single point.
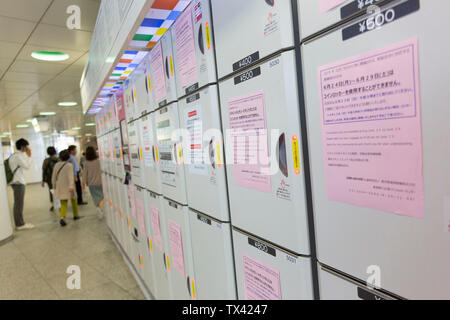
(182, 288)
(212, 250)
(159, 258)
(279, 216)
(169, 71)
(295, 271)
(335, 286)
(237, 44)
(152, 173)
(412, 253)
(135, 152)
(171, 150)
(213, 200)
(204, 48)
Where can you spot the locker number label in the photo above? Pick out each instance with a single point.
(245, 62)
(379, 18)
(248, 75)
(262, 246)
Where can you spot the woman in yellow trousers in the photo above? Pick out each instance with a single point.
(63, 181)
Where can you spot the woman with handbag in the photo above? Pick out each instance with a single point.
(92, 177)
(63, 182)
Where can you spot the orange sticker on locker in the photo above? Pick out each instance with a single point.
(208, 36)
(149, 84)
(296, 153)
(141, 261)
(150, 244)
(134, 95)
(168, 262)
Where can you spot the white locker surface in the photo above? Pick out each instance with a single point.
(334, 286)
(170, 152)
(181, 273)
(270, 206)
(163, 72)
(129, 99)
(150, 154)
(193, 48)
(157, 232)
(118, 164)
(204, 167)
(246, 31)
(413, 253)
(144, 102)
(135, 152)
(290, 275)
(213, 258)
(314, 19)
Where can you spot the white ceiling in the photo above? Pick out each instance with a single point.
(29, 86)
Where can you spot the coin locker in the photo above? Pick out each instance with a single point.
(163, 72)
(246, 31)
(130, 98)
(158, 243)
(135, 152)
(213, 258)
(353, 237)
(150, 154)
(193, 48)
(203, 154)
(171, 153)
(335, 286)
(144, 100)
(181, 273)
(266, 272)
(260, 115)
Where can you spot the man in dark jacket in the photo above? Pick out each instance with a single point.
(47, 170)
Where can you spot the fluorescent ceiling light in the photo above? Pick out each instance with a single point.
(22, 126)
(90, 124)
(50, 55)
(76, 128)
(64, 131)
(30, 120)
(68, 104)
(88, 135)
(47, 113)
(6, 133)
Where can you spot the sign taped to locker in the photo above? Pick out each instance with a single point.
(194, 125)
(176, 246)
(371, 130)
(261, 282)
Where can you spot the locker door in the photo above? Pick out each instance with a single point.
(152, 174)
(334, 286)
(125, 217)
(404, 236)
(157, 231)
(140, 232)
(193, 48)
(181, 273)
(163, 72)
(170, 151)
(203, 154)
(213, 258)
(142, 92)
(129, 97)
(118, 213)
(120, 171)
(246, 31)
(265, 173)
(146, 247)
(287, 276)
(315, 16)
(135, 152)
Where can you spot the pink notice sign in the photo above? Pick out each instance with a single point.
(327, 5)
(141, 219)
(371, 130)
(132, 201)
(248, 138)
(261, 282)
(176, 246)
(157, 66)
(156, 227)
(185, 48)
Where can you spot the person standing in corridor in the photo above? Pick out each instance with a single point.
(63, 181)
(47, 170)
(76, 171)
(20, 160)
(92, 177)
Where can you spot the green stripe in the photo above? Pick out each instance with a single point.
(142, 37)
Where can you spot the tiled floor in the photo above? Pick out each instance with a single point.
(34, 264)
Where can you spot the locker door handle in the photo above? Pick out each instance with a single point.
(189, 286)
(153, 153)
(175, 153)
(281, 154)
(201, 43)
(164, 260)
(212, 154)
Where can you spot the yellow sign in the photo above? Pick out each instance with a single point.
(296, 153)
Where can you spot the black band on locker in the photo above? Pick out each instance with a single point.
(188, 285)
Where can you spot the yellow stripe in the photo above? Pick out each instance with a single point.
(208, 36)
(296, 154)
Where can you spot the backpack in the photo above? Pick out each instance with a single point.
(8, 172)
(49, 169)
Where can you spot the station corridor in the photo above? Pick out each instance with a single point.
(33, 265)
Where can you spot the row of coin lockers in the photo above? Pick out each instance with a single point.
(257, 71)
